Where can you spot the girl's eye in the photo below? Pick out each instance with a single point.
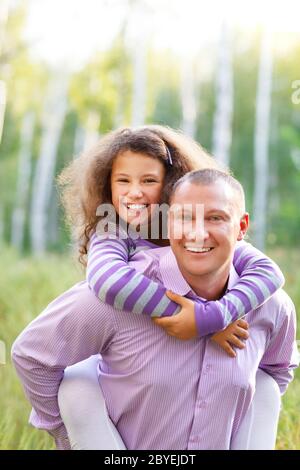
(150, 181)
(122, 181)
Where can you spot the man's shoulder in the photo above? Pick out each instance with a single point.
(280, 299)
(281, 307)
(276, 311)
(79, 297)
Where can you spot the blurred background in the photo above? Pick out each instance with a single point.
(226, 73)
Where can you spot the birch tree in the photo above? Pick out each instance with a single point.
(139, 33)
(53, 119)
(261, 140)
(188, 96)
(2, 105)
(78, 140)
(139, 84)
(91, 132)
(1, 223)
(222, 126)
(23, 182)
(4, 7)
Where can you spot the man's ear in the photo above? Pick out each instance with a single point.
(244, 224)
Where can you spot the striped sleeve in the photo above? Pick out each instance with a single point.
(116, 283)
(259, 279)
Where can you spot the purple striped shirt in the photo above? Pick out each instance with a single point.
(116, 283)
(161, 393)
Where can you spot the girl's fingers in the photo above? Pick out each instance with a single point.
(162, 321)
(228, 349)
(243, 324)
(178, 298)
(235, 341)
(241, 333)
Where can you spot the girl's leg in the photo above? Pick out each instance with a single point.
(83, 410)
(259, 427)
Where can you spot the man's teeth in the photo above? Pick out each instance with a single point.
(136, 206)
(197, 249)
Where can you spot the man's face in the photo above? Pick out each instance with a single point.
(208, 246)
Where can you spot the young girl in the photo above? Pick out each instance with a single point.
(134, 170)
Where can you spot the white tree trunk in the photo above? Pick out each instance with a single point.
(222, 128)
(91, 130)
(139, 33)
(262, 123)
(53, 222)
(188, 97)
(139, 84)
(23, 183)
(78, 141)
(1, 223)
(4, 7)
(54, 115)
(2, 105)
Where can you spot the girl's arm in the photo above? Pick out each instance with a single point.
(119, 285)
(259, 279)
(116, 283)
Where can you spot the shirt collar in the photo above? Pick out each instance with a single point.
(171, 275)
(173, 279)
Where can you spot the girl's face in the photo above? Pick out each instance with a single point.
(136, 184)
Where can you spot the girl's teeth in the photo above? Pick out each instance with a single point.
(136, 206)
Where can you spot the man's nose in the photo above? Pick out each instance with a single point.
(198, 234)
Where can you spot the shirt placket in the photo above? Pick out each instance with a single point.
(202, 403)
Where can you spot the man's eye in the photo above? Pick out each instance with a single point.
(215, 218)
(187, 217)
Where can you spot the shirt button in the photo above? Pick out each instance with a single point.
(202, 404)
(208, 367)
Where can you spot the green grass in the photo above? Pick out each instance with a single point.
(28, 285)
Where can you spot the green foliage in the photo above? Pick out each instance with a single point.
(163, 90)
(103, 87)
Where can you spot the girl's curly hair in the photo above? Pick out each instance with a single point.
(85, 182)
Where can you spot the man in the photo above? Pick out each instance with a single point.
(160, 392)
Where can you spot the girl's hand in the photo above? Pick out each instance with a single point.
(183, 325)
(231, 337)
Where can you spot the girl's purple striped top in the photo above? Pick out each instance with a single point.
(114, 282)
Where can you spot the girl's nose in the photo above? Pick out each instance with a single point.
(135, 192)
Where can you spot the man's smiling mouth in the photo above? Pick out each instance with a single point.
(197, 249)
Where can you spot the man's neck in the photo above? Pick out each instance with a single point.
(211, 286)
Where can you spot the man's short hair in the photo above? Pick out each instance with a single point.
(210, 176)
